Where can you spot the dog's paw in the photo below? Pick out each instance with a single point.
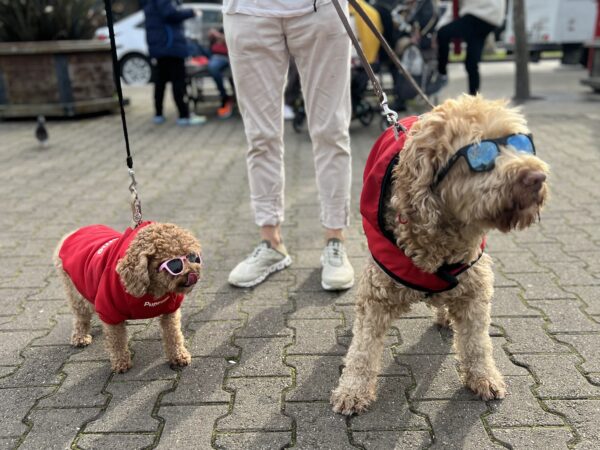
(181, 358)
(121, 365)
(348, 402)
(81, 340)
(487, 387)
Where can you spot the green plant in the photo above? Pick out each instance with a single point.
(47, 20)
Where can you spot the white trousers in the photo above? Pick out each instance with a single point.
(259, 54)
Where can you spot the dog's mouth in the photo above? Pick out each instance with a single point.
(189, 281)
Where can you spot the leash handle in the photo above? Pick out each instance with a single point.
(136, 204)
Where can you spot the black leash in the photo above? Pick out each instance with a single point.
(136, 204)
(392, 116)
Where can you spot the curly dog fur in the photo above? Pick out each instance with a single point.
(139, 275)
(445, 225)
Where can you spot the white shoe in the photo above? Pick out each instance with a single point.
(263, 261)
(288, 112)
(337, 273)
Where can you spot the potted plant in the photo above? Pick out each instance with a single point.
(48, 63)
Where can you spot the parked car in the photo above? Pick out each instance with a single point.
(132, 49)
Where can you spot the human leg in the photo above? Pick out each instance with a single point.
(259, 60)
(177, 71)
(162, 75)
(216, 65)
(475, 39)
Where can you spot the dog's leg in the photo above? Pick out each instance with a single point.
(116, 344)
(82, 316)
(471, 321)
(441, 317)
(173, 340)
(357, 387)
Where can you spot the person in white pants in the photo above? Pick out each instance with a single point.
(261, 36)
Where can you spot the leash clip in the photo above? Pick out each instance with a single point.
(136, 203)
(392, 117)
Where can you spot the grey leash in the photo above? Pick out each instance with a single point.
(392, 116)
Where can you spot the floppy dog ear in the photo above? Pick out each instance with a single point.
(133, 270)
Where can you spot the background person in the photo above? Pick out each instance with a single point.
(261, 36)
(476, 19)
(168, 45)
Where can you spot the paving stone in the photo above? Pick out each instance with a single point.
(316, 376)
(257, 405)
(436, 377)
(558, 376)
(507, 302)
(391, 410)
(219, 307)
(264, 320)
(396, 440)
(99, 441)
(35, 316)
(503, 362)
(566, 316)
(457, 424)
(60, 334)
(540, 286)
(40, 367)
(62, 424)
(13, 343)
(54, 290)
(542, 437)
(518, 262)
(11, 300)
(527, 335)
(200, 382)
(590, 295)
(587, 346)
(82, 386)
(317, 426)
(189, 426)
(149, 362)
(573, 273)
(549, 252)
(501, 280)
(130, 407)
(584, 415)
(520, 407)
(419, 336)
(253, 440)
(310, 306)
(213, 339)
(315, 336)
(14, 405)
(261, 357)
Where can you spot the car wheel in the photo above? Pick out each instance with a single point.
(136, 69)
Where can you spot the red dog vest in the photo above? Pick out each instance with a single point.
(392, 260)
(90, 257)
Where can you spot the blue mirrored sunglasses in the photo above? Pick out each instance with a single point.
(481, 157)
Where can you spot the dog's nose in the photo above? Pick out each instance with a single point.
(534, 179)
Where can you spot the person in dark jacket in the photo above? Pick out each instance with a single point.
(168, 45)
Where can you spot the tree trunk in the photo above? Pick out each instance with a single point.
(522, 92)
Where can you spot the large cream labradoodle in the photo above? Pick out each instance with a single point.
(445, 223)
(126, 276)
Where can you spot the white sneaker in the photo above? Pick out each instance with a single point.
(337, 273)
(288, 112)
(263, 261)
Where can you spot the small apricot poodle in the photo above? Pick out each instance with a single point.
(142, 273)
(466, 167)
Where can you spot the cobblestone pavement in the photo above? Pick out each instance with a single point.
(265, 360)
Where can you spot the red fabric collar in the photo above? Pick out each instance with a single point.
(388, 256)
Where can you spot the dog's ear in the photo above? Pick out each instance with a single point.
(133, 270)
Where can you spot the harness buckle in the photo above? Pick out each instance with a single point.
(392, 117)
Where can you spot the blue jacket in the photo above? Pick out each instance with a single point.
(164, 28)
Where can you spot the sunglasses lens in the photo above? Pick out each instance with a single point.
(521, 143)
(482, 156)
(175, 266)
(193, 258)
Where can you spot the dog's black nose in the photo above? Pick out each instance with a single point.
(534, 179)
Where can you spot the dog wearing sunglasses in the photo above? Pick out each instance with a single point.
(428, 199)
(139, 274)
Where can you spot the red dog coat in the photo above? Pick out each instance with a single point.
(392, 260)
(90, 257)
